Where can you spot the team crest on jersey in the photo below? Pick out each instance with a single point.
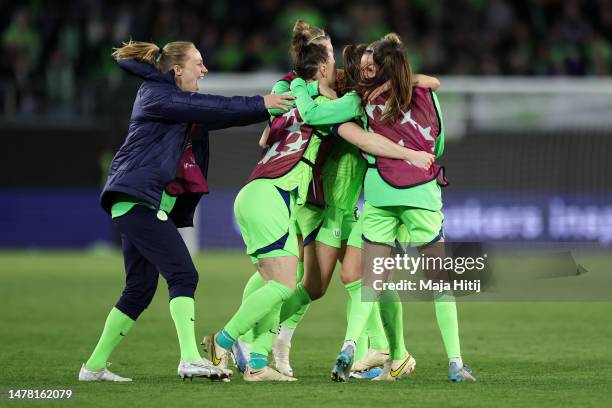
(336, 233)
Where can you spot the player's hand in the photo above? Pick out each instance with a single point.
(274, 101)
(378, 91)
(422, 160)
(327, 91)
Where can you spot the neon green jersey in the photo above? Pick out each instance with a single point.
(340, 110)
(282, 87)
(428, 196)
(343, 173)
(344, 169)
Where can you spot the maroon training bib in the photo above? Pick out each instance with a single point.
(417, 128)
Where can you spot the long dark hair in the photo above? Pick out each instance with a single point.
(351, 58)
(393, 66)
(306, 51)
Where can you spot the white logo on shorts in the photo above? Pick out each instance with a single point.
(336, 233)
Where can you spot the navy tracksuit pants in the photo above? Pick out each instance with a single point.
(150, 247)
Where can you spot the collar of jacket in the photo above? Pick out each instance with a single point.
(146, 71)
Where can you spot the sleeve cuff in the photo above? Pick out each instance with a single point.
(313, 88)
(296, 83)
(334, 130)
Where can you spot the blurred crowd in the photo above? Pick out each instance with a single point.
(54, 51)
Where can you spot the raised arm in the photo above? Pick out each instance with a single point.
(213, 111)
(336, 111)
(420, 80)
(282, 87)
(426, 81)
(378, 145)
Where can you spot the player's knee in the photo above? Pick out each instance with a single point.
(134, 301)
(348, 277)
(183, 283)
(317, 293)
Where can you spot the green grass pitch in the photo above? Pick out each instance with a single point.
(523, 354)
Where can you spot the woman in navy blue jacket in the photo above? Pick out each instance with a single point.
(154, 184)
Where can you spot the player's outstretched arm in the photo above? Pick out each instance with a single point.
(214, 111)
(378, 145)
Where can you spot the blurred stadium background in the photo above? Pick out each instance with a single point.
(526, 97)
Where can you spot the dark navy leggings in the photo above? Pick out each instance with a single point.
(150, 247)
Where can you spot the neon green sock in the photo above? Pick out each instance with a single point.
(359, 312)
(392, 318)
(255, 282)
(182, 310)
(295, 319)
(299, 298)
(361, 347)
(256, 306)
(117, 325)
(446, 315)
(375, 330)
(265, 332)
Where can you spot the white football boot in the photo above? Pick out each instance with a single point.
(265, 374)
(373, 358)
(217, 354)
(394, 369)
(202, 368)
(102, 375)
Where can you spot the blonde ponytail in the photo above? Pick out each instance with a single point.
(173, 53)
(136, 50)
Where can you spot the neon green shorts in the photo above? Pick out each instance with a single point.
(264, 215)
(382, 225)
(337, 226)
(308, 220)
